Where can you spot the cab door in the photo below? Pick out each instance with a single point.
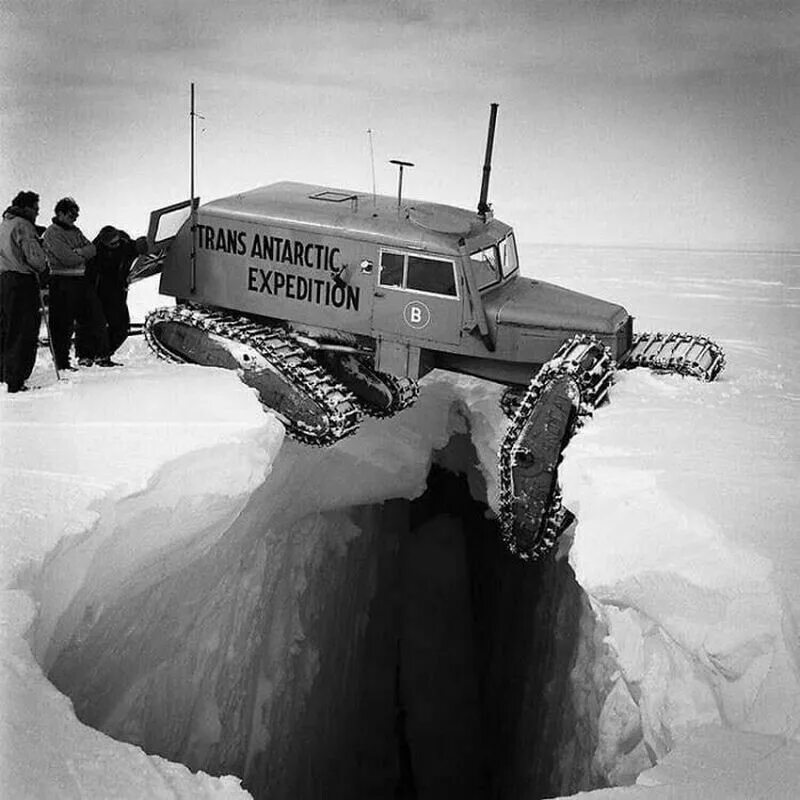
(164, 226)
(418, 298)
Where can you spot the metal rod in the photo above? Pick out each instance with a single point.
(400, 164)
(372, 161)
(44, 307)
(483, 206)
(191, 145)
(400, 187)
(314, 344)
(193, 216)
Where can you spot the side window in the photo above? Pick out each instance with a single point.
(391, 269)
(431, 275)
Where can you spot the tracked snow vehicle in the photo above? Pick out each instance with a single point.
(334, 303)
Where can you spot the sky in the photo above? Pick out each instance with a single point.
(621, 122)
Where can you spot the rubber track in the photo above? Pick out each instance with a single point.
(510, 400)
(593, 384)
(681, 353)
(404, 394)
(285, 356)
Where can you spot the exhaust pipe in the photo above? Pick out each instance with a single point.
(484, 208)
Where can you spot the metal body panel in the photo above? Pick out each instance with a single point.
(417, 317)
(530, 303)
(403, 360)
(431, 227)
(274, 252)
(273, 272)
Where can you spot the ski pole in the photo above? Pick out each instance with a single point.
(44, 306)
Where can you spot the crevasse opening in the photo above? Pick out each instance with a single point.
(384, 649)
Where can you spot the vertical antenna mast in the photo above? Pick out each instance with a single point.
(193, 207)
(372, 160)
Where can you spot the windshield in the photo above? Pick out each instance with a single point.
(495, 262)
(508, 255)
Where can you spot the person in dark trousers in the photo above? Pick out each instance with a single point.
(68, 250)
(22, 266)
(108, 274)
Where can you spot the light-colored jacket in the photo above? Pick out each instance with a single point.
(20, 250)
(67, 250)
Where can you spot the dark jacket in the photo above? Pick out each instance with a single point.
(109, 269)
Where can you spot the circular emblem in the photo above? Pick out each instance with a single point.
(417, 315)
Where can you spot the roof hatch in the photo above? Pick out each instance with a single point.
(334, 196)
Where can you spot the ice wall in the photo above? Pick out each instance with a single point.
(698, 625)
(78, 459)
(220, 665)
(297, 626)
(171, 615)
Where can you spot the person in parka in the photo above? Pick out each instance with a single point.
(22, 266)
(108, 273)
(68, 250)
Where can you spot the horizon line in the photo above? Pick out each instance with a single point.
(753, 249)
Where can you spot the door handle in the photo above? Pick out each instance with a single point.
(380, 294)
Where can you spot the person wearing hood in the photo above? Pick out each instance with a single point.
(108, 273)
(68, 250)
(22, 265)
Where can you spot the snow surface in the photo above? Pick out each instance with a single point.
(686, 496)
(70, 452)
(687, 499)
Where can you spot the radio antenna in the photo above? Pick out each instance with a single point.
(192, 201)
(193, 225)
(372, 160)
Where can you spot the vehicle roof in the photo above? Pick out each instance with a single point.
(359, 215)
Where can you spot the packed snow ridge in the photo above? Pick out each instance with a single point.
(211, 593)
